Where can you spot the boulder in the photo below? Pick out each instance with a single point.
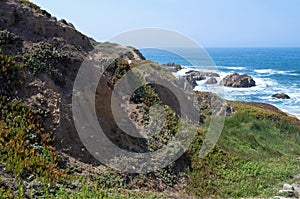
(191, 81)
(205, 74)
(193, 76)
(196, 75)
(210, 74)
(281, 96)
(212, 80)
(238, 81)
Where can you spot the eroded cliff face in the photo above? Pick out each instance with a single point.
(33, 24)
(51, 53)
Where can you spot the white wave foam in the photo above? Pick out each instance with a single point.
(234, 67)
(272, 72)
(186, 69)
(182, 72)
(262, 92)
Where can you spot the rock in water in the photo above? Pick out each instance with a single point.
(238, 81)
(196, 75)
(281, 96)
(212, 80)
(192, 81)
(193, 76)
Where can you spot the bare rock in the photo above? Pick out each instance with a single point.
(281, 96)
(195, 75)
(172, 67)
(210, 74)
(212, 80)
(287, 187)
(286, 193)
(238, 81)
(16, 17)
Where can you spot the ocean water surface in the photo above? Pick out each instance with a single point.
(275, 70)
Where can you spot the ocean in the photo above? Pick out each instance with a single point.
(275, 70)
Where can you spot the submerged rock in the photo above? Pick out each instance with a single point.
(281, 96)
(238, 81)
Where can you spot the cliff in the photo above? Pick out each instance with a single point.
(42, 155)
(18, 16)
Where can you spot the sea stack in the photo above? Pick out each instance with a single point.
(238, 81)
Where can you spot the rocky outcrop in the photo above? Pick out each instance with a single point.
(31, 23)
(281, 96)
(193, 76)
(172, 67)
(124, 52)
(50, 87)
(196, 73)
(212, 80)
(238, 81)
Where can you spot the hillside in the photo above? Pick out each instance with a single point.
(43, 156)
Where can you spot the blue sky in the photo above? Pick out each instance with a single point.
(212, 23)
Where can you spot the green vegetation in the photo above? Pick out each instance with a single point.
(63, 21)
(24, 144)
(30, 5)
(258, 150)
(44, 58)
(130, 55)
(7, 37)
(27, 152)
(122, 67)
(25, 147)
(8, 74)
(252, 159)
(94, 192)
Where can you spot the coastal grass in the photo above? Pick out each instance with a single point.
(257, 152)
(96, 192)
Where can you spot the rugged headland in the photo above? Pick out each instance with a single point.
(42, 155)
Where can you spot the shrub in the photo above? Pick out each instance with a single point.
(8, 74)
(63, 21)
(7, 37)
(24, 144)
(129, 55)
(30, 5)
(122, 67)
(45, 58)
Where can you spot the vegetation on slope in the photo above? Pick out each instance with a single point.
(258, 150)
(253, 158)
(256, 153)
(35, 166)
